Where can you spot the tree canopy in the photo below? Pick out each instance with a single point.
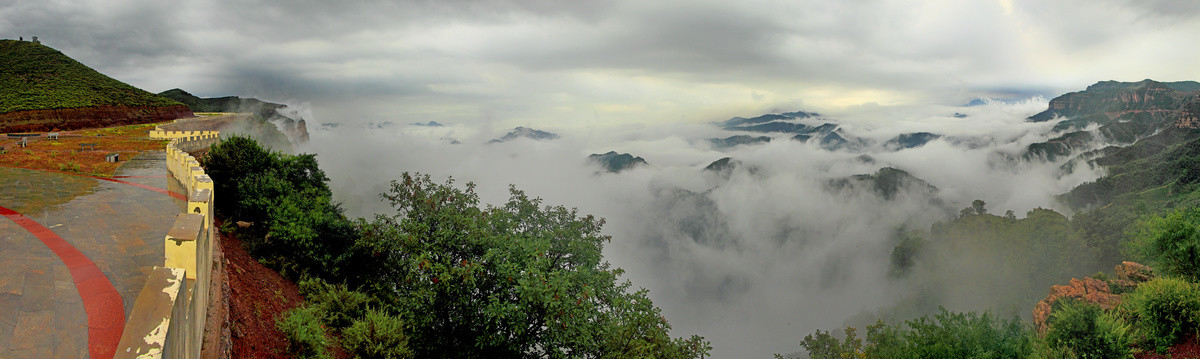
(517, 280)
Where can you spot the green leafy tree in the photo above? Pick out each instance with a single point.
(822, 345)
(229, 162)
(905, 253)
(298, 229)
(978, 206)
(518, 280)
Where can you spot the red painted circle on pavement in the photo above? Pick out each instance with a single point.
(103, 304)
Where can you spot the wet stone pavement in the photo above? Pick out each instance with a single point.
(119, 227)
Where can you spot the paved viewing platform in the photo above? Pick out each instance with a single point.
(74, 253)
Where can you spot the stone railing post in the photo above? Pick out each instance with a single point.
(154, 328)
(179, 248)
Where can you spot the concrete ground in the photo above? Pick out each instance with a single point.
(67, 244)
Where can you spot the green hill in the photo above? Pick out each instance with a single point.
(37, 77)
(42, 89)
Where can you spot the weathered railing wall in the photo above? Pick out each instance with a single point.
(169, 314)
(161, 134)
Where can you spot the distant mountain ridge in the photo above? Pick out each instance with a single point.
(289, 122)
(41, 89)
(827, 135)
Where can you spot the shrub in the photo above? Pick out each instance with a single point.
(946, 335)
(1166, 310)
(968, 335)
(1089, 332)
(377, 335)
(338, 306)
(1171, 244)
(1045, 350)
(306, 337)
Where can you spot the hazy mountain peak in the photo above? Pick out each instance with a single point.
(614, 162)
(525, 132)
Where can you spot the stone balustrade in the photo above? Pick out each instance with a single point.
(169, 314)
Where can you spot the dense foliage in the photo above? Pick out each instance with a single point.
(442, 276)
(945, 335)
(1087, 331)
(1018, 259)
(296, 226)
(1170, 243)
(1165, 311)
(36, 77)
(518, 280)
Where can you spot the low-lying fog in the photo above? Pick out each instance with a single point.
(754, 258)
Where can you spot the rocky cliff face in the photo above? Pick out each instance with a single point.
(87, 117)
(1111, 100)
(1125, 111)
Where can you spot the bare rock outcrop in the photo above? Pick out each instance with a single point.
(1091, 290)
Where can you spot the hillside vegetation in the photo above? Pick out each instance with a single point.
(442, 276)
(36, 77)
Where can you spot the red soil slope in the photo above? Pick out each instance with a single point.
(258, 296)
(88, 117)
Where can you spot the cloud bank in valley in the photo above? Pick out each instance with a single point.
(758, 256)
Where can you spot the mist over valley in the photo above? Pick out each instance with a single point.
(751, 244)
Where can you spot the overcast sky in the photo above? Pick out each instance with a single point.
(562, 63)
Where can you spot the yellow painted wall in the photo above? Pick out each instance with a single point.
(192, 256)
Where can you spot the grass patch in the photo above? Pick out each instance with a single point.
(66, 154)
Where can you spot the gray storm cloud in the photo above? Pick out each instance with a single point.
(754, 258)
(616, 61)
